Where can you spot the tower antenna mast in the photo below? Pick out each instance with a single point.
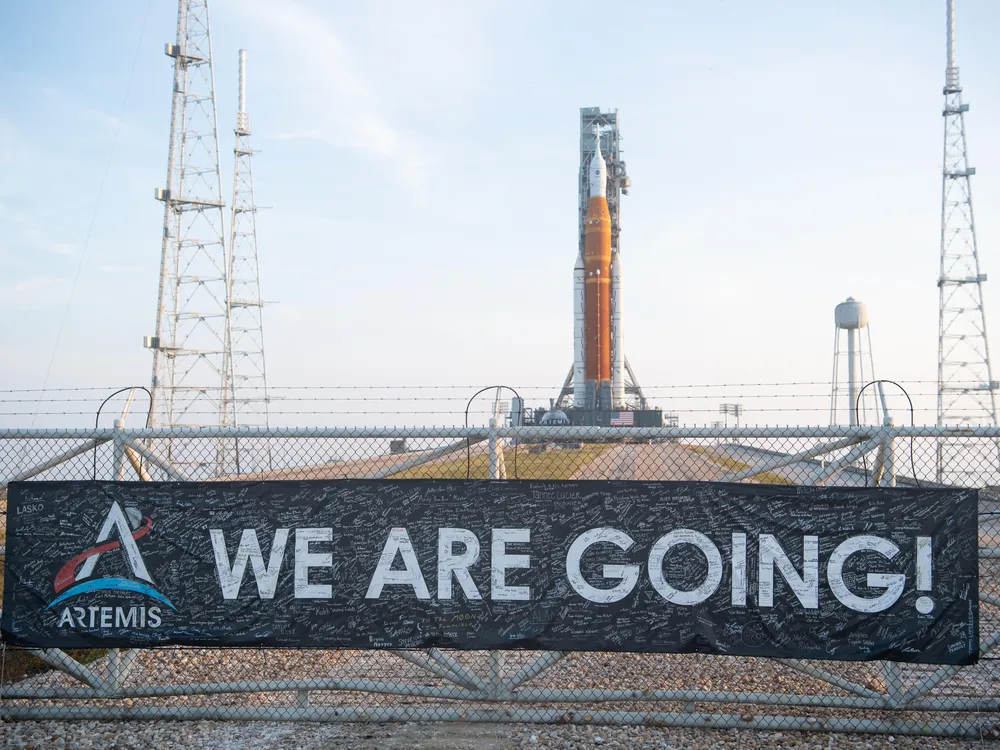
(249, 389)
(966, 393)
(192, 369)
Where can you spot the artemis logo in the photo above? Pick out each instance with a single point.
(75, 577)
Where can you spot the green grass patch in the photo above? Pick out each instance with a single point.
(555, 464)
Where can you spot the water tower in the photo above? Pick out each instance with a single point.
(853, 365)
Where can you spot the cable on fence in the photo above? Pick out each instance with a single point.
(97, 418)
(857, 418)
(468, 442)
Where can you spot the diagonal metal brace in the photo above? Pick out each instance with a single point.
(433, 455)
(155, 458)
(436, 669)
(945, 673)
(532, 670)
(834, 468)
(783, 461)
(54, 461)
(62, 661)
(452, 665)
(835, 680)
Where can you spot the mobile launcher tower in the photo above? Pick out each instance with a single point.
(601, 389)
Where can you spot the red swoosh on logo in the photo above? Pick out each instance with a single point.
(67, 573)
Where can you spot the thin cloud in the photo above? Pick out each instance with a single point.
(35, 293)
(28, 233)
(327, 73)
(58, 248)
(80, 111)
(35, 239)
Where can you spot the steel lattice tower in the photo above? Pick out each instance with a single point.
(192, 370)
(249, 387)
(966, 389)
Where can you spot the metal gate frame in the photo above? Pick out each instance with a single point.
(491, 690)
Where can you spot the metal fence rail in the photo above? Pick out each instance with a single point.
(619, 688)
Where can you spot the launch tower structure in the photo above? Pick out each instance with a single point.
(192, 369)
(249, 375)
(625, 392)
(966, 393)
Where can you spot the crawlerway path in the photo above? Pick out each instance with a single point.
(646, 462)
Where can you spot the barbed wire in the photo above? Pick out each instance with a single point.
(404, 411)
(765, 403)
(547, 388)
(318, 399)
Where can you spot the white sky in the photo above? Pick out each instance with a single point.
(421, 162)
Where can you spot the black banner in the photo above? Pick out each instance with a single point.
(820, 573)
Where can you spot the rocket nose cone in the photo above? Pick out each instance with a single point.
(579, 266)
(598, 171)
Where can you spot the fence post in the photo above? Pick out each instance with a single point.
(889, 463)
(893, 675)
(495, 684)
(497, 468)
(118, 451)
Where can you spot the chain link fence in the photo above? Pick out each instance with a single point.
(518, 686)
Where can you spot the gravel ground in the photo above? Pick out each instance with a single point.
(585, 670)
(265, 736)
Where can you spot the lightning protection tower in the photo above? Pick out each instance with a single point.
(192, 370)
(966, 389)
(249, 385)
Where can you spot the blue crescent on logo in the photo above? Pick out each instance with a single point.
(113, 584)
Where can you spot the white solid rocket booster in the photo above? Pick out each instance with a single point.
(617, 335)
(579, 323)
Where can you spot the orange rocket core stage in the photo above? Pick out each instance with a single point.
(597, 264)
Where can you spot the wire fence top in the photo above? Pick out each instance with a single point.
(770, 403)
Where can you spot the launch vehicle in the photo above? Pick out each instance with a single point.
(601, 388)
(593, 352)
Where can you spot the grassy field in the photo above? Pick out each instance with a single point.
(557, 464)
